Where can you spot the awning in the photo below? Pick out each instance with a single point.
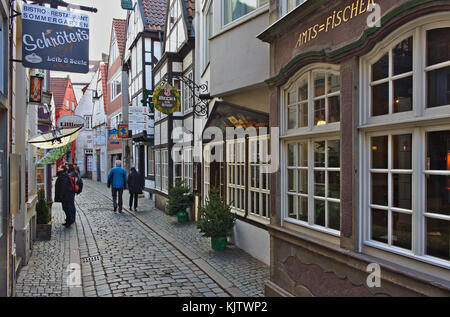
(226, 115)
(54, 155)
(56, 138)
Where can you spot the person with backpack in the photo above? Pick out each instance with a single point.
(117, 179)
(74, 189)
(62, 192)
(135, 187)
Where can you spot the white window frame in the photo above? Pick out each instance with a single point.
(259, 191)
(311, 182)
(293, 85)
(206, 171)
(188, 102)
(187, 167)
(236, 175)
(117, 80)
(165, 171)
(158, 181)
(418, 122)
(241, 18)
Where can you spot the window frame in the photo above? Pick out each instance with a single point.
(418, 122)
(242, 18)
(311, 182)
(293, 84)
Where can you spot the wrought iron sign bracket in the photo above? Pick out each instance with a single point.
(200, 94)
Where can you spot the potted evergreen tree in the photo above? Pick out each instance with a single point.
(216, 220)
(180, 198)
(43, 215)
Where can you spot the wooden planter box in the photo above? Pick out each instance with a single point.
(44, 232)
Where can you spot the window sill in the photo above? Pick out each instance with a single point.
(316, 228)
(408, 254)
(332, 128)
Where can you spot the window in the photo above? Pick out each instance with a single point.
(116, 88)
(406, 155)
(208, 33)
(188, 167)
(312, 165)
(88, 121)
(234, 9)
(236, 174)
(206, 172)
(317, 107)
(258, 190)
(114, 48)
(313, 183)
(150, 161)
(188, 102)
(165, 170)
(158, 169)
(67, 104)
(73, 105)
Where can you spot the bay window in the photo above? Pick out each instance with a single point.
(405, 142)
(234, 9)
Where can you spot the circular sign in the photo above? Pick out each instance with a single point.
(71, 121)
(166, 99)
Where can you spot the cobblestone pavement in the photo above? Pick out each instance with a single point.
(129, 259)
(245, 272)
(45, 275)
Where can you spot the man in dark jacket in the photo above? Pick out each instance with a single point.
(63, 194)
(135, 187)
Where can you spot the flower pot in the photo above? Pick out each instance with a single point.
(182, 216)
(44, 232)
(218, 243)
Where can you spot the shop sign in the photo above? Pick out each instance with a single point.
(123, 131)
(36, 89)
(127, 4)
(336, 19)
(167, 99)
(55, 39)
(70, 121)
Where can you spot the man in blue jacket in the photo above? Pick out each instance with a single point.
(117, 178)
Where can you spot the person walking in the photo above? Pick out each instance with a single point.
(135, 187)
(72, 173)
(117, 179)
(62, 193)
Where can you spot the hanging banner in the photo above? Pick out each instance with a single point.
(123, 131)
(113, 136)
(55, 39)
(54, 155)
(36, 89)
(166, 99)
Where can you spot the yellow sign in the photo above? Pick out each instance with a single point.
(336, 19)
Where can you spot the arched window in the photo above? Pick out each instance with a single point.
(311, 115)
(405, 142)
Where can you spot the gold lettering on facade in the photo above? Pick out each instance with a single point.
(358, 7)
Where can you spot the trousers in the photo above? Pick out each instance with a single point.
(117, 193)
(134, 197)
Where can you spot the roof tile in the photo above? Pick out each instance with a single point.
(155, 13)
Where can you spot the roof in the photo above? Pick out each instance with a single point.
(120, 28)
(189, 14)
(58, 88)
(104, 76)
(154, 14)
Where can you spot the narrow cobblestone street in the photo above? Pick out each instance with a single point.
(143, 253)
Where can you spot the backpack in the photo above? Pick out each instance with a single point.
(79, 183)
(73, 187)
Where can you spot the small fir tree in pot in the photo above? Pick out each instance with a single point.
(216, 220)
(43, 217)
(180, 198)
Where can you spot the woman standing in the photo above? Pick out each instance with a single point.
(135, 187)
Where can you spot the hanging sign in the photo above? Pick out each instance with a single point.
(166, 99)
(70, 121)
(55, 39)
(36, 89)
(123, 131)
(113, 136)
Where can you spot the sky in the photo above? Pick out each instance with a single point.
(100, 32)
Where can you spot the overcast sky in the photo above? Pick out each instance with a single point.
(100, 32)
